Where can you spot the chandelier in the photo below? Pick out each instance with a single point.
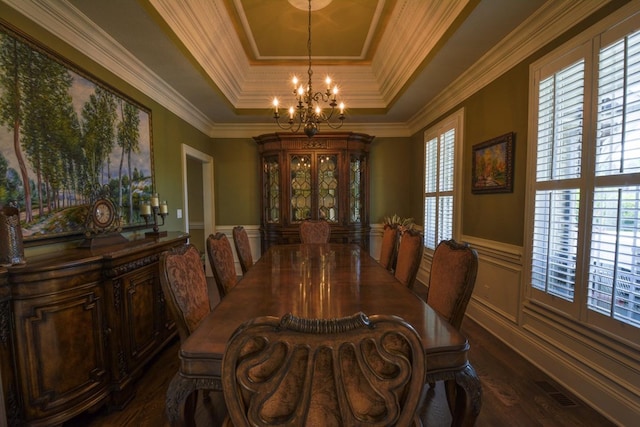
(308, 112)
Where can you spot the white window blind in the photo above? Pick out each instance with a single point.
(587, 182)
(439, 179)
(614, 263)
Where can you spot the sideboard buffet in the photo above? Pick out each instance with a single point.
(77, 327)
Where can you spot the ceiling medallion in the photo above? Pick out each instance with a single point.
(308, 113)
(317, 5)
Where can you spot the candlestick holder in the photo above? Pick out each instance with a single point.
(155, 213)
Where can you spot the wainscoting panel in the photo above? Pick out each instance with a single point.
(499, 277)
(601, 371)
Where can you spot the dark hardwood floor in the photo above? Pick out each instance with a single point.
(515, 393)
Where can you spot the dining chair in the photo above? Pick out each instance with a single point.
(452, 279)
(222, 264)
(409, 257)
(184, 286)
(453, 276)
(348, 371)
(315, 231)
(243, 248)
(389, 247)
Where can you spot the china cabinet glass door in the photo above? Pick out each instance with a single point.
(300, 167)
(328, 187)
(271, 190)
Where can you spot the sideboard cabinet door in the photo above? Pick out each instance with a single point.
(138, 313)
(61, 346)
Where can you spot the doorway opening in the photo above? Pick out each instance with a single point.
(199, 204)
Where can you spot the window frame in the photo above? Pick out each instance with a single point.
(456, 122)
(585, 46)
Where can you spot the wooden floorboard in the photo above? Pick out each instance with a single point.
(515, 393)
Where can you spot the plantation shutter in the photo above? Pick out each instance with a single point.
(439, 178)
(614, 264)
(557, 198)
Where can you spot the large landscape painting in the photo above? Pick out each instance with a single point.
(62, 135)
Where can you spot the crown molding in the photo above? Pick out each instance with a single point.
(548, 23)
(402, 51)
(209, 36)
(64, 21)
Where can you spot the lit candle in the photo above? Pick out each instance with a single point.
(335, 92)
(291, 111)
(328, 81)
(275, 104)
(295, 82)
(318, 110)
(342, 108)
(145, 209)
(300, 91)
(164, 208)
(155, 201)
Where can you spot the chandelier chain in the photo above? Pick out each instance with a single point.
(307, 113)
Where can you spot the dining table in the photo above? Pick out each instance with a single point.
(323, 281)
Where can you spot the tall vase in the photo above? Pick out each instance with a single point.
(11, 246)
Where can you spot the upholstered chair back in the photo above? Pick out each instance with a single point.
(243, 248)
(222, 263)
(452, 279)
(389, 247)
(409, 257)
(312, 231)
(184, 286)
(351, 371)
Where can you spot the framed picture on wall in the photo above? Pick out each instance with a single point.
(63, 133)
(492, 165)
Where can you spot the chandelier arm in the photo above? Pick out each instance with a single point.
(335, 125)
(289, 126)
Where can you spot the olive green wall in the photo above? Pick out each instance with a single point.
(390, 179)
(499, 108)
(236, 166)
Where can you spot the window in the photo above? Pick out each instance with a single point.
(442, 158)
(585, 207)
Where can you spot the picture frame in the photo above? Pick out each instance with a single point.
(492, 165)
(69, 135)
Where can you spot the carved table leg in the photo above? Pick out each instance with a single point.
(179, 390)
(468, 397)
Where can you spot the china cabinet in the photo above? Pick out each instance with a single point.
(324, 177)
(78, 326)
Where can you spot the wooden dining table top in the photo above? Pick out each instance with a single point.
(319, 281)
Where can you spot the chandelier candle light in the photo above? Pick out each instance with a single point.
(307, 112)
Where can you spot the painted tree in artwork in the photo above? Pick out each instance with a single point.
(49, 127)
(12, 71)
(99, 116)
(128, 141)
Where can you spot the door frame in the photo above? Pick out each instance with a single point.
(208, 199)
